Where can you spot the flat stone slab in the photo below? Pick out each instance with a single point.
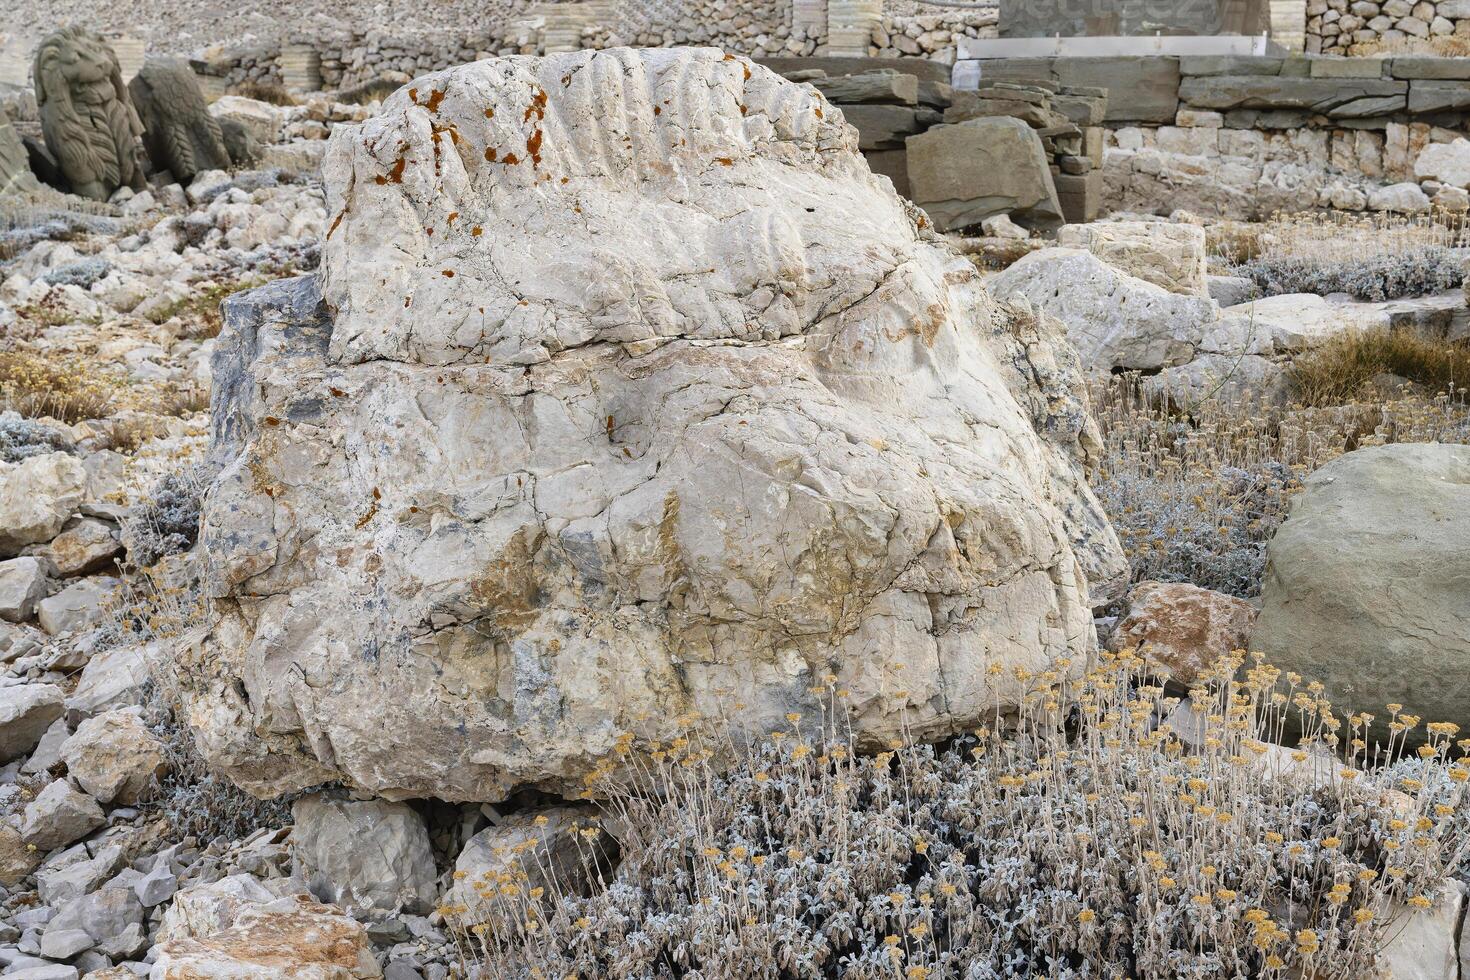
(1278, 92)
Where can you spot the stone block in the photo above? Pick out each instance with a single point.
(882, 127)
(924, 69)
(937, 95)
(1276, 92)
(885, 87)
(1410, 67)
(1080, 196)
(1094, 145)
(1228, 64)
(1438, 96)
(962, 174)
(1124, 18)
(977, 105)
(1016, 70)
(893, 164)
(1350, 68)
(1140, 89)
(1081, 110)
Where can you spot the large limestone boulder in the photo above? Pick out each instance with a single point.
(1113, 319)
(962, 174)
(679, 411)
(1366, 582)
(1171, 256)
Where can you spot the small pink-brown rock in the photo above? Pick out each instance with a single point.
(1183, 628)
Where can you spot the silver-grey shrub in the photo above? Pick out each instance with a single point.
(1418, 271)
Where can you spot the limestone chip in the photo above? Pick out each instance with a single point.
(530, 475)
(26, 711)
(115, 757)
(287, 939)
(364, 853)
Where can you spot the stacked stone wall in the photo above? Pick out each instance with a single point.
(1245, 136)
(758, 28)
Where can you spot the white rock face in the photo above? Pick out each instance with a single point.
(1168, 255)
(37, 495)
(1300, 321)
(1112, 318)
(677, 410)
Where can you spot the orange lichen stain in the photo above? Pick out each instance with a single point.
(818, 111)
(490, 113)
(566, 180)
(923, 222)
(728, 57)
(477, 231)
(395, 175)
(363, 520)
(657, 111)
(447, 273)
(337, 392)
(491, 154)
(743, 110)
(452, 215)
(537, 107)
(406, 301)
(511, 160)
(340, 215)
(413, 96)
(523, 303)
(272, 420)
(725, 161)
(429, 232)
(747, 72)
(376, 494)
(610, 428)
(576, 209)
(566, 80)
(436, 97)
(533, 147)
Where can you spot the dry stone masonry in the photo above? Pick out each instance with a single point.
(548, 476)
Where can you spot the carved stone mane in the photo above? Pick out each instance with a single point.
(87, 117)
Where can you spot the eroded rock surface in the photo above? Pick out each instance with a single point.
(634, 396)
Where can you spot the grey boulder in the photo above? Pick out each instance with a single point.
(1368, 583)
(367, 853)
(962, 174)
